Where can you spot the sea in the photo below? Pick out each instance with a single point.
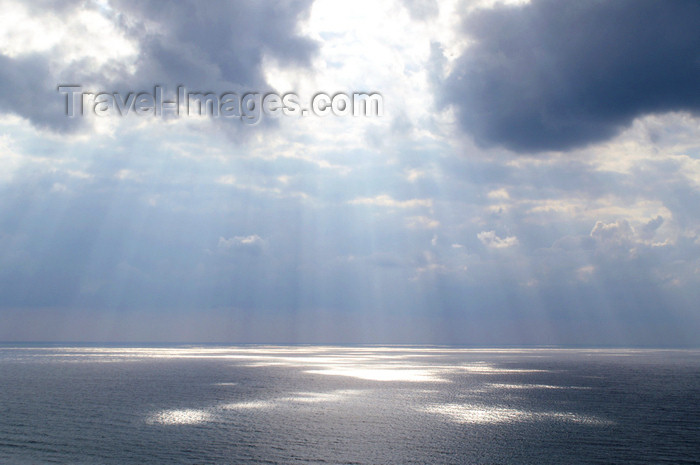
(308, 404)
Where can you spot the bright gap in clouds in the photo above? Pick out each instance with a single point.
(24, 31)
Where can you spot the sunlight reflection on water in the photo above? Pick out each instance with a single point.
(482, 414)
(301, 404)
(382, 374)
(180, 417)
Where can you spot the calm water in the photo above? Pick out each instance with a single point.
(347, 405)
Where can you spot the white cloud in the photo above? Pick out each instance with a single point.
(58, 187)
(492, 241)
(623, 233)
(227, 180)
(384, 200)
(584, 273)
(618, 232)
(499, 194)
(127, 175)
(252, 241)
(415, 174)
(422, 222)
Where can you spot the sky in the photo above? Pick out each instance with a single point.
(533, 179)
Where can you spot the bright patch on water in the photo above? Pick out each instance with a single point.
(180, 417)
(483, 414)
(314, 397)
(250, 405)
(383, 374)
(528, 386)
(372, 405)
(483, 368)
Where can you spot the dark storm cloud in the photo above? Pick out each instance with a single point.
(216, 42)
(553, 75)
(27, 89)
(217, 46)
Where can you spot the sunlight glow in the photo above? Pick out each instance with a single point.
(480, 414)
(382, 374)
(251, 405)
(180, 417)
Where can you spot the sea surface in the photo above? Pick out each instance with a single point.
(347, 405)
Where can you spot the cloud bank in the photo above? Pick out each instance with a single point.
(130, 46)
(555, 75)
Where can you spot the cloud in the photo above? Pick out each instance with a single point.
(27, 89)
(422, 222)
(648, 230)
(384, 200)
(253, 242)
(617, 232)
(214, 47)
(621, 240)
(225, 42)
(421, 9)
(492, 241)
(499, 194)
(553, 75)
(341, 229)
